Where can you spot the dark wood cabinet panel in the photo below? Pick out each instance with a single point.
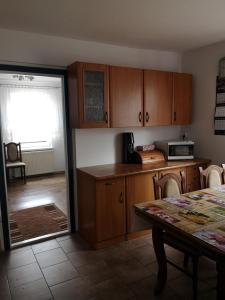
(193, 177)
(110, 209)
(182, 99)
(88, 87)
(158, 98)
(126, 97)
(139, 188)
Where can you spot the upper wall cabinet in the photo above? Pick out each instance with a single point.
(88, 95)
(182, 99)
(158, 98)
(126, 97)
(102, 96)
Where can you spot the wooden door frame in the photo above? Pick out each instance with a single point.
(69, 142)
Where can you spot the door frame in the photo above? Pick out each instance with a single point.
(69, 155)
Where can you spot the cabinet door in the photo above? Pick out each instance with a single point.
(110, 209)
(158, 96)
(126, 97)
(93, 95)
(182, 98)
(193, 177)
(139, 188)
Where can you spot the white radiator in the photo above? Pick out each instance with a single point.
(39, 162)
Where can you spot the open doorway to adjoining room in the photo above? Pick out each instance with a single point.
(34, 143)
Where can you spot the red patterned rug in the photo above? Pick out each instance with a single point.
(36, 221)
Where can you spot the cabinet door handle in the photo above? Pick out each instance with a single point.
(109, 183)
(121, 198)
(106, 117)
(140, 116)
(174, 116)
(147, 117)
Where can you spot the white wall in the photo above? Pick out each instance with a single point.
(203, 64)
(104, 146)
(26, 48)
(21, 47)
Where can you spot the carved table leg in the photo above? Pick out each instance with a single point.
(220, 266)
(157, 238)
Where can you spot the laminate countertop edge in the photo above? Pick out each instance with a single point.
(109, 171)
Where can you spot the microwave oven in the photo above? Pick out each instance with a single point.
(176, 150)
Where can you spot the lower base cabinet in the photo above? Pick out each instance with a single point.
(105, 207)
(139, 188)
(110, 209)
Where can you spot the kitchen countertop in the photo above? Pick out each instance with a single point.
(117, 170)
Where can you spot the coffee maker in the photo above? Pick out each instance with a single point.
(128, 148)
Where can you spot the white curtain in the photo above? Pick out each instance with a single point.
(30, 115)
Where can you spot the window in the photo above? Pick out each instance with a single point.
(30, 116)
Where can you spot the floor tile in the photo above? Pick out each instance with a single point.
(144, 290)
(131, 271)
(21, 258)
(74, 243)
(77, 289)
(134, 243)
(51, 257)
(45, 246)
(113, 289)
(114, 256)
(35, 290)
(21, 249)
(24, 274)
(144, 254)
(4, 289)
(59, 273)
(63, 237)
(96, 272)
(80, 258)
(182, 286)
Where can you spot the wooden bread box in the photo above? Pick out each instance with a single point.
(151, 156)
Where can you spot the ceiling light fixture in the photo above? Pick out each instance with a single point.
(23, 77)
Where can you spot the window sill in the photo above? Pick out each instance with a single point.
(37, 150)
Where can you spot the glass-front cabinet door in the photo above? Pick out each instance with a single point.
(95, 95)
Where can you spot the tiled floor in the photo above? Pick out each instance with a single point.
(66, 269)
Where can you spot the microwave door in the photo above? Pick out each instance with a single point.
(181, 152)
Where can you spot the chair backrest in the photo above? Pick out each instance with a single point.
(211, 176)
(169, 185)
(12, 152)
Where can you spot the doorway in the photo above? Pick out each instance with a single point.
(34, 117)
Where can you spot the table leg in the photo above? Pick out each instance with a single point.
(220, 266)
(157, 238)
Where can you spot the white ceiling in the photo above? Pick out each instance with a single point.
(164, 24)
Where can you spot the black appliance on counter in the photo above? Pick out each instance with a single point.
(129, 156)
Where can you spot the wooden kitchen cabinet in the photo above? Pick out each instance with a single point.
(193, 177)
(88, 88)
(158, 98)
(110, 209)
(182, 99)
(126, 97)
(101, 209)
(139, 188)
(106, 195)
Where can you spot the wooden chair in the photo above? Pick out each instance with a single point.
(212, 176)
(13, 159)
(174, 185)
(169, 185)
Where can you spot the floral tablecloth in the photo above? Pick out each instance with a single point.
(200, 213)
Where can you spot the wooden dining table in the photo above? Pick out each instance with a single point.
(196, 219)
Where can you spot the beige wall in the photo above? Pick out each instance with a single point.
(203, 64)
